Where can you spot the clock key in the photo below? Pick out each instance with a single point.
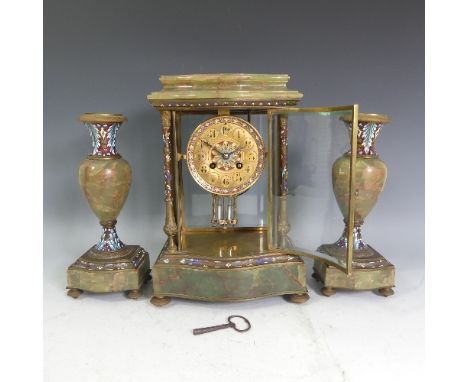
(230, 324)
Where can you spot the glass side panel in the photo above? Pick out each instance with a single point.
(197, 202)
(309, 178)
(251, 205)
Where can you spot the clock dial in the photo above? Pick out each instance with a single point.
(225, 155)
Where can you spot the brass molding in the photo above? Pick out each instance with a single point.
(102, 118)
(102, 157)
(379, 118)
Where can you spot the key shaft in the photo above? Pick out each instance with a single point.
(209, 329)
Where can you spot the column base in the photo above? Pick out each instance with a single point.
(125, 270)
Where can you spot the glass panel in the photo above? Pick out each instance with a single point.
(309, 177)
(198, 205)
(197, 202)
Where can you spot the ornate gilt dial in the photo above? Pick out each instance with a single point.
(225, 155)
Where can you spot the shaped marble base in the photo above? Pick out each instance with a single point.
(380, 278)
(103, 272)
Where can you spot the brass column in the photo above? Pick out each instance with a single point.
(170, 226)
(283, 223)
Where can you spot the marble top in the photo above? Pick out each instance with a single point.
(192, 90)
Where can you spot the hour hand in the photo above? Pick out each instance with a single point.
(206, 143)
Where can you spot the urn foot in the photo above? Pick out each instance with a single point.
(386, 292)
(327, 291)
(74, 292)
(134, 294)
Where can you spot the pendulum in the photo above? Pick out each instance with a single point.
(105, 178)
(224, 210)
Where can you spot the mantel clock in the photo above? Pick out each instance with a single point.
(250, 181)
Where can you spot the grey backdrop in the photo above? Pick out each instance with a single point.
(107, 56)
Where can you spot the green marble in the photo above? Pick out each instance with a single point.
(224, 86)
(371, 174)
(105, 183)
(358, 279)
(103, 281)
(229, 284)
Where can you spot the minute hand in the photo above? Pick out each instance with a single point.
(212, 147)
(237, 150)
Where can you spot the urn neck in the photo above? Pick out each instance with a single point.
(366, 137)
(103, 137)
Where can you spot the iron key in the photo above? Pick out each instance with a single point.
(230, 324)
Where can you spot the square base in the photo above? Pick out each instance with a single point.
(359, 279)
(227, 266)
(101, 272)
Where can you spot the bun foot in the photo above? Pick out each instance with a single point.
(134, 294)
(298, 298)
(386, 292)
(327, 291)
(74, 292)
(160, 301)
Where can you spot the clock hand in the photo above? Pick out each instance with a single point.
(212, 147)
(206, 143)
(237, 150)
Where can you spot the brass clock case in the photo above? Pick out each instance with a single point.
(225, 155)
